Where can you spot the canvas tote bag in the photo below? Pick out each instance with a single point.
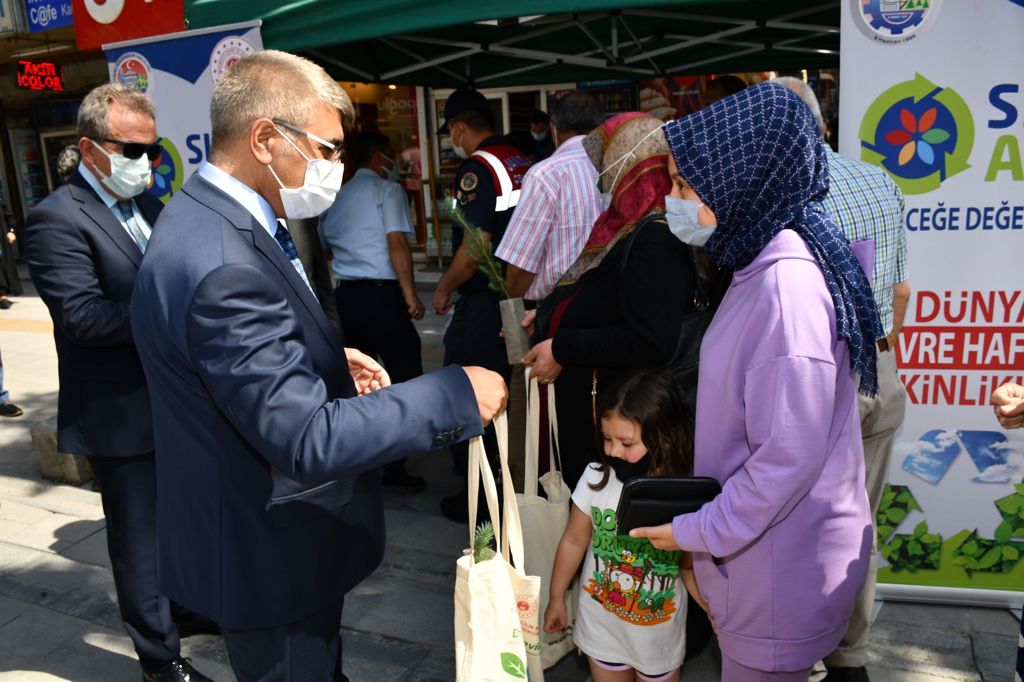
(544, 518)
(497, 605)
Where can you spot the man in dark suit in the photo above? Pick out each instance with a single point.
(271, 434)
(84, 245)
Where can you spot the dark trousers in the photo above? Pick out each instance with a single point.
(128, 491)
(376, 321)
(308, 650)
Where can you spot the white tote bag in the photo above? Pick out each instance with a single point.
(497, 605)
(545, 518)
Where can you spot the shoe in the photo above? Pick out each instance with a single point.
(847, 675)
(189, 623)
(178, 670)
(5, 303)
(398, 477)
(9, 409)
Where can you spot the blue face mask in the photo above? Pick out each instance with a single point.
(681, 215)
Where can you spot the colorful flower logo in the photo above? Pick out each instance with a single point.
(167, 174)
(922, 134)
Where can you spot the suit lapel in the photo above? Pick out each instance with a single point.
(209, 195)
(93, 207)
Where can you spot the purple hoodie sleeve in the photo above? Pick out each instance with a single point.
(789, 412)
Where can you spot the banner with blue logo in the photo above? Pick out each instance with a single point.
(178, 72)
(932, 92)
(46, 15)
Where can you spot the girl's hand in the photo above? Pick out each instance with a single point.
(690, 581)
(554, 616)
(660, 536)
(542, 363)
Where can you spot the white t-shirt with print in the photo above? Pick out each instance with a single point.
(632, 606)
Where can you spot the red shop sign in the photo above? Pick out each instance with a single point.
(98, 22)
(40, 76)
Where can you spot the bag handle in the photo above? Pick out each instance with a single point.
(512, 537)
(480, 471)
(532, 460)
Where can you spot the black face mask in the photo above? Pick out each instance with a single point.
(626, 472)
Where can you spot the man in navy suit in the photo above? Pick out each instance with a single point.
(84, 244)
(270, 434)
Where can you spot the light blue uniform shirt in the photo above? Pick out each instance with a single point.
(357, 225)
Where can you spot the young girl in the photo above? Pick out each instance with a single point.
(632, 612)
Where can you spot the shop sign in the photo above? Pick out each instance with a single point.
(100, 22)
(40, 76)
(46, 15)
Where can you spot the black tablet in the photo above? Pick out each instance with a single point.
(657, 500)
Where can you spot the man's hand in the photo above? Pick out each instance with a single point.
(416, 307)
(367, 374)
(660, 536)
(442, 301)
(1008, 402)
(542, 363)
(491, 393)
(11, 237)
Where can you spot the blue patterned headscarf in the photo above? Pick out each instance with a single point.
(757, 160)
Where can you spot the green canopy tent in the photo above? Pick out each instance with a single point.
(487, 43)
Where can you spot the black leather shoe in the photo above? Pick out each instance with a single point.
(178, 670)
(847, 675)
(5, 303)
(10, 410)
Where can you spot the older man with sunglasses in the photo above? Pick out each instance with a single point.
(84, 245)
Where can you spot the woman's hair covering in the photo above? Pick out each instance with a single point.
(632, 156)
(757, 160)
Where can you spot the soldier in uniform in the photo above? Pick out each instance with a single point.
(486, 190)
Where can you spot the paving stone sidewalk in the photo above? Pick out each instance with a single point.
(59, 619)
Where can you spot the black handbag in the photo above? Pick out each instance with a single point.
(653, 501)
(709, 287)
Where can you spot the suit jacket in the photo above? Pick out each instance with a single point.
(269, 504)
(83, 264)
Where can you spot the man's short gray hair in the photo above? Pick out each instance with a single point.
(273, 84)
(806, 93)
(94, 114)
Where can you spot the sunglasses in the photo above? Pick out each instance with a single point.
(133, 150)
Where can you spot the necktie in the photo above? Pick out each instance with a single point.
(284, 238)
(125, 207)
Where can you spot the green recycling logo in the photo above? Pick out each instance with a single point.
(920, 133)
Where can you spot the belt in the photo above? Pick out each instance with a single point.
(352, 283)
(887, 343)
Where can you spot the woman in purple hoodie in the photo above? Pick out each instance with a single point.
(780, 554)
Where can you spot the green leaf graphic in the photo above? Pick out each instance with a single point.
(513, 665)
(935, 136)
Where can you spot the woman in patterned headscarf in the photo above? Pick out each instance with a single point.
(610, 315)
(780, 554)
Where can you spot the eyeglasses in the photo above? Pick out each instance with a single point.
(328, 150)
(133, 150)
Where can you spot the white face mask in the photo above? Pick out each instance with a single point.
(681, 215)
(458, 149)
(128, 177)
(318, 190)
(539, 136)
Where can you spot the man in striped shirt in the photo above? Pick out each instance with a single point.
(558, 206)
(867, 204)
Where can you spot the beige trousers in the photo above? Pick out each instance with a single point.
(880, 418)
